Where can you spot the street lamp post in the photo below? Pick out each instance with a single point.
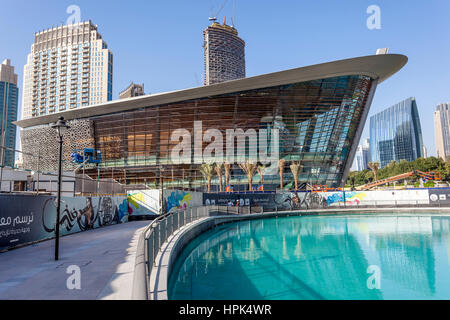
(161, 182)
(61, 127)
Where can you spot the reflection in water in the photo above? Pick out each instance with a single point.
(408, 250)
(317, 258)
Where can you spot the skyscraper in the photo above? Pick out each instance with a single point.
(224, 54)
(396, 134)
(69, 67)
(442, 130)
(362, 157)
(8, 112)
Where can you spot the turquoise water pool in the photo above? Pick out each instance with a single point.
(304, 258)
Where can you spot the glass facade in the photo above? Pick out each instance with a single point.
(317, 120)
(8, 114)
(396, 134)
(362, 157)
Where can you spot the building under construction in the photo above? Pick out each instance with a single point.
(224, 54)
(133, 90)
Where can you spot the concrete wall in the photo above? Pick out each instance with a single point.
(9, 176)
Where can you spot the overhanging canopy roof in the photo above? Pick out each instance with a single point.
(379, 67)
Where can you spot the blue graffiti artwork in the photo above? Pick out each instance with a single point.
(335, 198)
(178, 199)
(339, 197)
(123, 209)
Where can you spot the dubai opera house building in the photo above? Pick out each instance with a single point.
(320, 112)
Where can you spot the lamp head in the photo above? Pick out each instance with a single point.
(61, 126)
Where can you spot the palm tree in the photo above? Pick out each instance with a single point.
(374, 166)
(281, 165)
(296, 168)
(218, 168)
(250, 169)
(261, 168)
(207, 170)
(227, 173)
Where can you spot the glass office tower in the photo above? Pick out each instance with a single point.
(8, 113)
(396, 134)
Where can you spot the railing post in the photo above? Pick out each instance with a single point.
(155, 242)
(150, 252)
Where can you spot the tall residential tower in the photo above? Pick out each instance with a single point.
(442, 130)
(69, 67)
(224, 54)
(8, 113)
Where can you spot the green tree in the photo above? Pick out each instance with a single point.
(369, 176)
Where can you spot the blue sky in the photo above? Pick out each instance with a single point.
(159, 43)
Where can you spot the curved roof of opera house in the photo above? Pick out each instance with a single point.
(379, 67)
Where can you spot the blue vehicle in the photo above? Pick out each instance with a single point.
(87, 155)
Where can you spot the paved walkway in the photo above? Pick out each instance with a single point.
(105, 256)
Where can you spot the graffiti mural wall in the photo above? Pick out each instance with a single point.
(268, 200)
(304, 200)
(353, 198)
(178, 199)
(144, 202)
(26, 219)
(364, 198)
(147, 202)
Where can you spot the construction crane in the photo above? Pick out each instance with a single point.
(233, 19)
(428, 176)
(213, 17)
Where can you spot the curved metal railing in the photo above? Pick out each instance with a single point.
(152, 239)
(157, 233)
